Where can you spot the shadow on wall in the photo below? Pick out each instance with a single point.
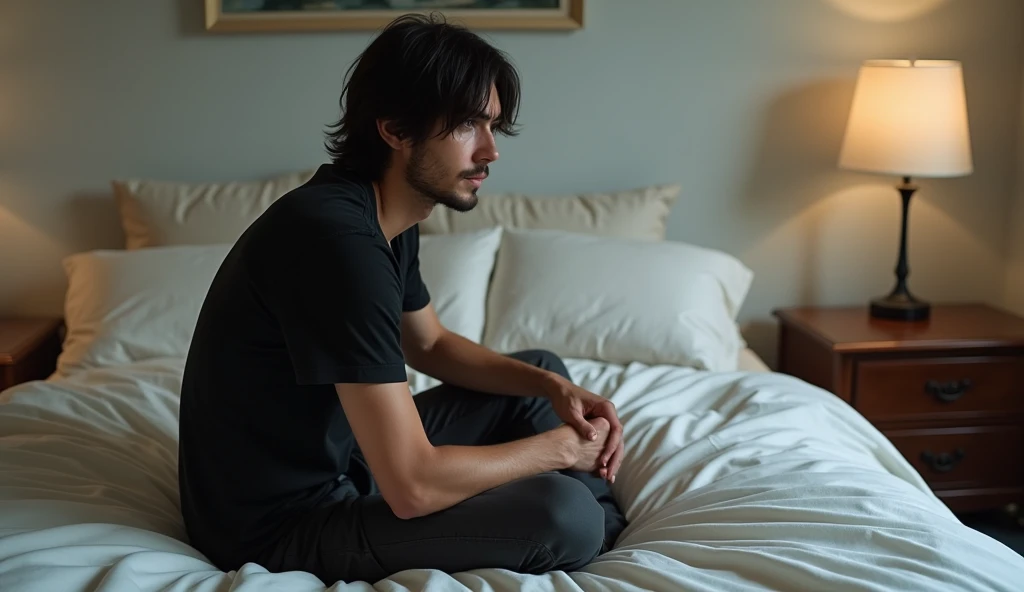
(96, 221)
(92, 223)
(1015, 287)
(797, 153)
(191, 18)
(763, 338)
(794, 167)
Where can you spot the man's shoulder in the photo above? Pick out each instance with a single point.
(330, 196)
(333, 181)
(330, 204)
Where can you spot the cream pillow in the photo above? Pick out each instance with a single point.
(616, 300)
(163, 213)
(126, 306)
(639, 213)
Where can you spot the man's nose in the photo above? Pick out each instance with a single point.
(488, 150)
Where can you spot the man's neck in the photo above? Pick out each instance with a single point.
(399, 206)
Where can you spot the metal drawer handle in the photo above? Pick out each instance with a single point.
(943, 462)
(947, 392)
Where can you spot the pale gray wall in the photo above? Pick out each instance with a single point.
(743, 102)
(1015, 231)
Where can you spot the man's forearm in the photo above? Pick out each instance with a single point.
(455, 360)
(456, 473)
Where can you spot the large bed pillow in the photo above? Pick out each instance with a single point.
(158, 213)
(638, 213)
(125, 306)
(616, 300)
(456, 269)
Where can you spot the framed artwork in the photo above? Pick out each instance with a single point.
(328, 15)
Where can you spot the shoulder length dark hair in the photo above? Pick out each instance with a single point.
(419, 72)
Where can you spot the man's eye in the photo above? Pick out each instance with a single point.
(469, 123)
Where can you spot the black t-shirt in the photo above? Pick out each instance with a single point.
(310, 295)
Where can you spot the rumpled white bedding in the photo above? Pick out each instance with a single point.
(731, 481)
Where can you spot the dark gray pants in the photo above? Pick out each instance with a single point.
(551, 521)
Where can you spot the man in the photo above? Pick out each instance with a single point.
(301, 447)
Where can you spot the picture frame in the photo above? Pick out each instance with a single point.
(341, 15)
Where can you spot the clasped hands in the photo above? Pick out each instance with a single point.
(595, 419)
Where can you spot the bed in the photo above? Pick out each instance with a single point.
(735, 477)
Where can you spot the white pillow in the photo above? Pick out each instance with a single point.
(616, 300)
(125, 306)
(457, 270)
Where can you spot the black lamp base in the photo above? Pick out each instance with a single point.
(900, 307)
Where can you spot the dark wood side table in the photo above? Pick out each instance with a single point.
(29, 349)
(948, 392)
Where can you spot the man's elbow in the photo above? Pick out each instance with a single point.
(419, 352)
(411, 502)
(408, 491)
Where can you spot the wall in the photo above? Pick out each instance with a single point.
(1015, 231)
(743, 102)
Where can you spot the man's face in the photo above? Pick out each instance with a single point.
(449, 170)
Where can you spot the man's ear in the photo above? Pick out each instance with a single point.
(386, 129)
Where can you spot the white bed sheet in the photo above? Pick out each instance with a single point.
(745, 480)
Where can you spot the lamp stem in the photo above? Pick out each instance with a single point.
(902, 269)
(900, 304)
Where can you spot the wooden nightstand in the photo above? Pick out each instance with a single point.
(28, 349)
(948, 392)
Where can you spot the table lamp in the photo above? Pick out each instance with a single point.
(908, 119)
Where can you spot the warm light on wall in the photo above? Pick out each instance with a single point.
(31, 263)
(835, 248)
(17, 231)
(887, 11)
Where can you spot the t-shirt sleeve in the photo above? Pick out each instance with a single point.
(416, 294)
(338, 304)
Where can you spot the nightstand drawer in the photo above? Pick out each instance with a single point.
(939, 387)
(986, 456)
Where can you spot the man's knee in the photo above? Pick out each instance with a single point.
(570, 520)
(545, 359)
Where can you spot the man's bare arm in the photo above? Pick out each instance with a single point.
(417, 478)
(453, 359)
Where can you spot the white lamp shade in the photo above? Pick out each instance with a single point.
(908, 119)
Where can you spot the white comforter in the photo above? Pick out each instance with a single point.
(731, 481)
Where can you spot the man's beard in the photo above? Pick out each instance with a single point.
(427, 179)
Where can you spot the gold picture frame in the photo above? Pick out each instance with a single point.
(341, 15)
